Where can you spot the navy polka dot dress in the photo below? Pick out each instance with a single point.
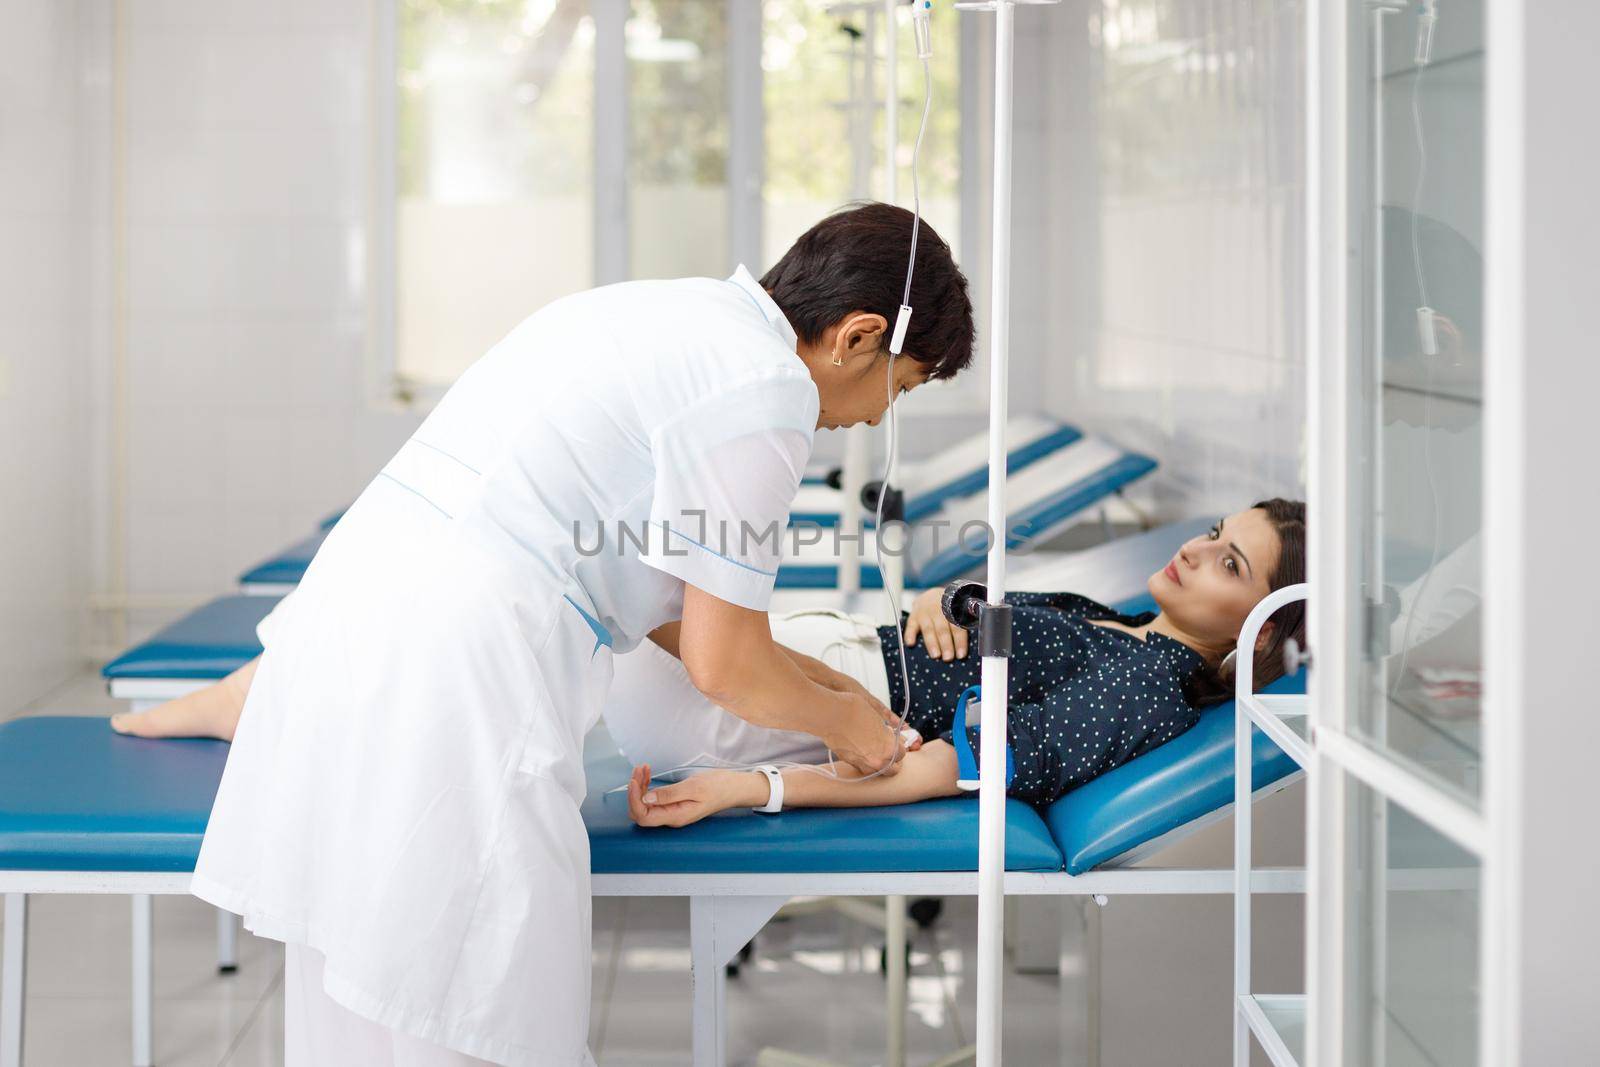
(1083, 698)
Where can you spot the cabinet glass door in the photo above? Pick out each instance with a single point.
(1415, 182)
(1411, 954)
(1400, 748)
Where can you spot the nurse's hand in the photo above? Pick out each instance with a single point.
(867, 736)
(692, 799)
(939, 637)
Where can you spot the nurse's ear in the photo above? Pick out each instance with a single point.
(858, 333)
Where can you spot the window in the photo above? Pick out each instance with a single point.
(494, 157)
(501, 108)
(678, 138)
(824, 118)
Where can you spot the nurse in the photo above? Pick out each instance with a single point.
(400, 806)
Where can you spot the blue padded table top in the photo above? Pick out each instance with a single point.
(1040, 520)
(934, 835)
(1033, 522)
(288, 566)
(1111, 571)
(210, 642)
(824, 576)
(1186, 778)
(1050, 509)
(76, 796)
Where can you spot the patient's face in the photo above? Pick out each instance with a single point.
(1215, 579)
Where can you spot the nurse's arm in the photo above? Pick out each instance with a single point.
(927, 773)
(732, 660)
(666, 637)
(826, 676)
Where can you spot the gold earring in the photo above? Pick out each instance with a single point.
(838, 361)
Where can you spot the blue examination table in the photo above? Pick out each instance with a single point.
(85, 810)
(202, 647)
(1042, 499)
(960, 470)
(82, 809)
(280, 573)
(1138, 804)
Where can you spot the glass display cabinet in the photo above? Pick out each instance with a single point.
(1397, 828)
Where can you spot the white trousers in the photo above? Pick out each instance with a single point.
(656, 715)
(320, 1032)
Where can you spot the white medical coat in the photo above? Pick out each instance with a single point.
(402, 794)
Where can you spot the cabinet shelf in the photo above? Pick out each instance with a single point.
(1278, 1022)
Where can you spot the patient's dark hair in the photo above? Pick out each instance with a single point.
(855, 260)
(1211, 685)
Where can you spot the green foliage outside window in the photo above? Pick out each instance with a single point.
(524, 69)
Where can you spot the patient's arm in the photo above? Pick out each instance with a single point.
(925, 773)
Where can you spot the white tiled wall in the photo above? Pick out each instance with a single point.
(1163, 212)
(43, 401)
(247, 178)
(1158, 301)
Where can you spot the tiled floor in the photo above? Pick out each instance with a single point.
(813, 985)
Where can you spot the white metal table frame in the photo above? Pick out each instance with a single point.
(725, 911)
(278, 589)
(141, 887)
(1251, 709)
(145, 693)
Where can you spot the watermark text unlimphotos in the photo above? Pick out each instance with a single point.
(694, 529)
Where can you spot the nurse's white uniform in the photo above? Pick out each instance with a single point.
(402, 794)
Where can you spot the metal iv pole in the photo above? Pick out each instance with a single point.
(993, 617)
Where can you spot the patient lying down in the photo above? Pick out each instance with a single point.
(1089, 689)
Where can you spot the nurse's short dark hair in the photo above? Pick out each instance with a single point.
(855, 260)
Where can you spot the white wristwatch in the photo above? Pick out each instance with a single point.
(774, 802)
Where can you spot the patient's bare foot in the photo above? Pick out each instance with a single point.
(210, 712)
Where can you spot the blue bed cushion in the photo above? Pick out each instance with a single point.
(210, 642)
(1041, 518)
(824, 576)
(288, 566)
(977, 480)
(967, 483)
(1186, 778)
(1136, 605)
(75, 796)
(934, 835)
(816, 518)
(1044, 515)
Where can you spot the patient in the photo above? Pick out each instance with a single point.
(1089, 689)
